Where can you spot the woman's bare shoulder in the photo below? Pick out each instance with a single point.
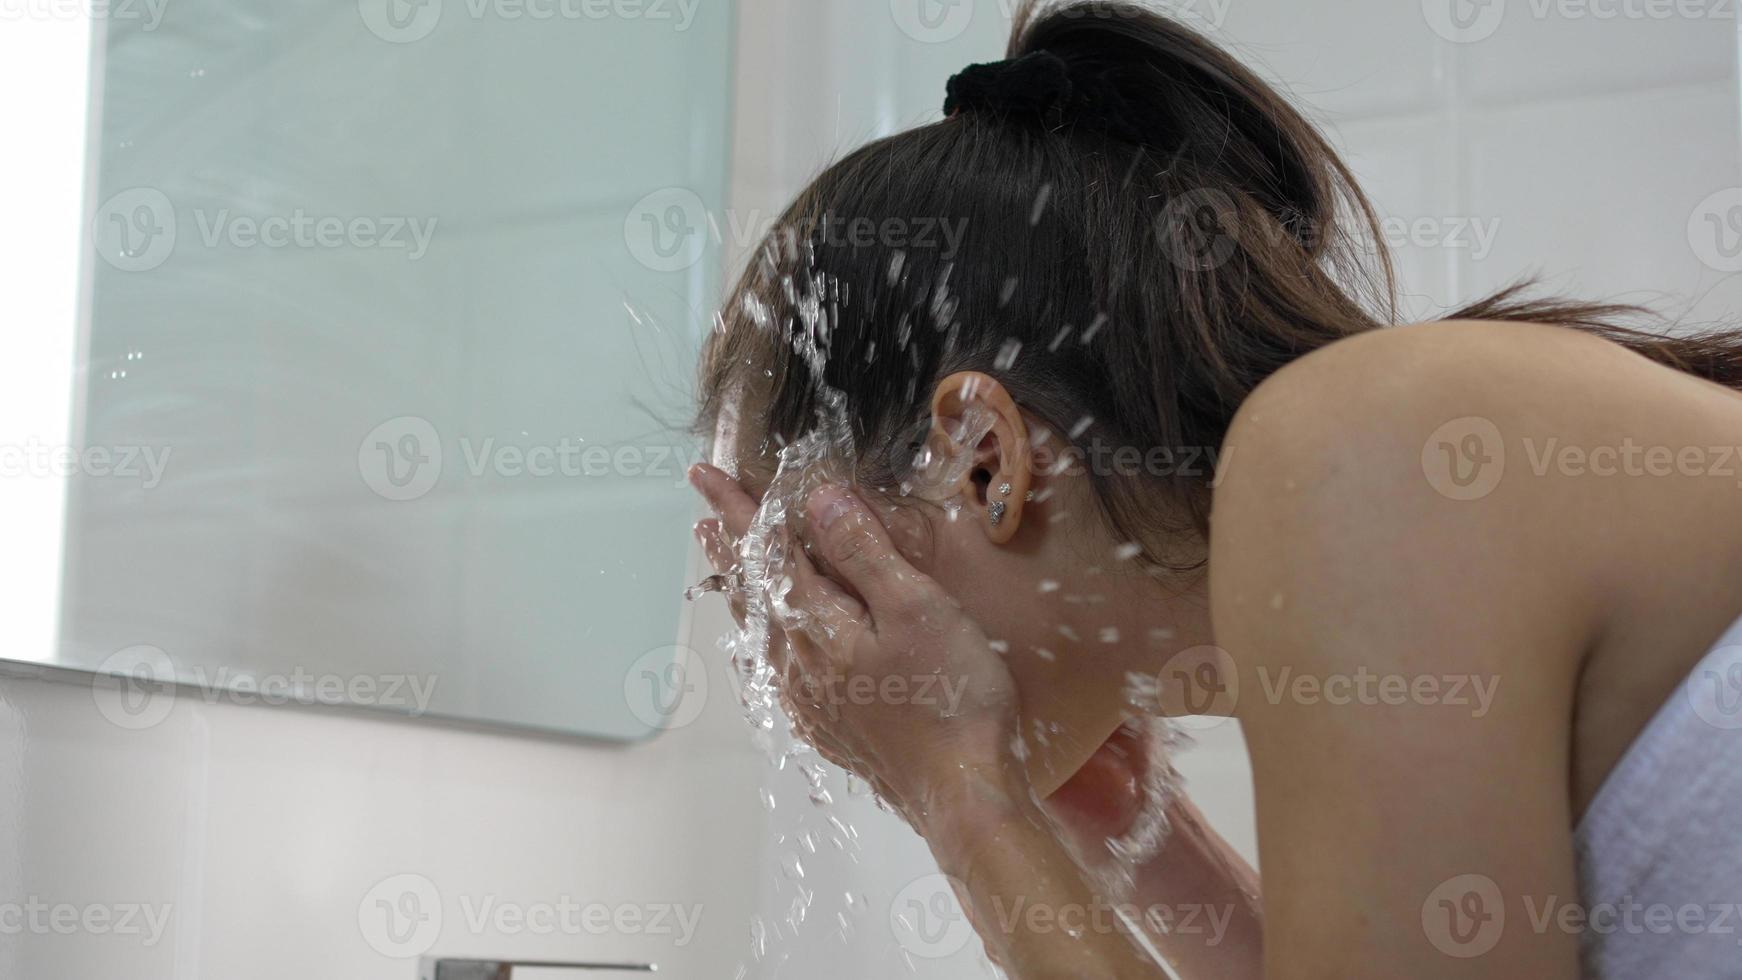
(1399, 463)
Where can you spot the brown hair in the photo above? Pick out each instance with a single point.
(1142, 244)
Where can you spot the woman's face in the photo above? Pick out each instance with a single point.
(1069, 618)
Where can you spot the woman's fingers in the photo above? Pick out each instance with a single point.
(734, 507)
(827, 614)
(712, 537)
(857, 547)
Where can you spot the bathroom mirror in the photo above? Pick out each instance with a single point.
(387, 313)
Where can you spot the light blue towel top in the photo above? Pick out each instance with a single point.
(1660, 848)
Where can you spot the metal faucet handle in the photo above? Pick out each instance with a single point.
(451, 969)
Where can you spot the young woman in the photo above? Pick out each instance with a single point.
(1466, 584)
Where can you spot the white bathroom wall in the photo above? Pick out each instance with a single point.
(277, 843)
(269, 835)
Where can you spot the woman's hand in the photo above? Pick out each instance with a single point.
(882, 672)
(888, 678)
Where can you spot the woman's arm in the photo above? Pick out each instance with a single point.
(1039, 917)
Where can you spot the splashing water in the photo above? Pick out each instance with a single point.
(763, 580)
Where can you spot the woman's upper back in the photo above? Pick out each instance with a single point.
(1450, 505)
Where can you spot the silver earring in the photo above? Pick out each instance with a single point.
(1003, 489)
(996, 513)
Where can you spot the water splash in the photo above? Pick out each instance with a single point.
(763, 580)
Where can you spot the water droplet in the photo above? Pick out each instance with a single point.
(1040, 202)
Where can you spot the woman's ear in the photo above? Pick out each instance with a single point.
(998, 476)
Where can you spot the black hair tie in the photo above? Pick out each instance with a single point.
(1040, 85)
(1033, 85)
